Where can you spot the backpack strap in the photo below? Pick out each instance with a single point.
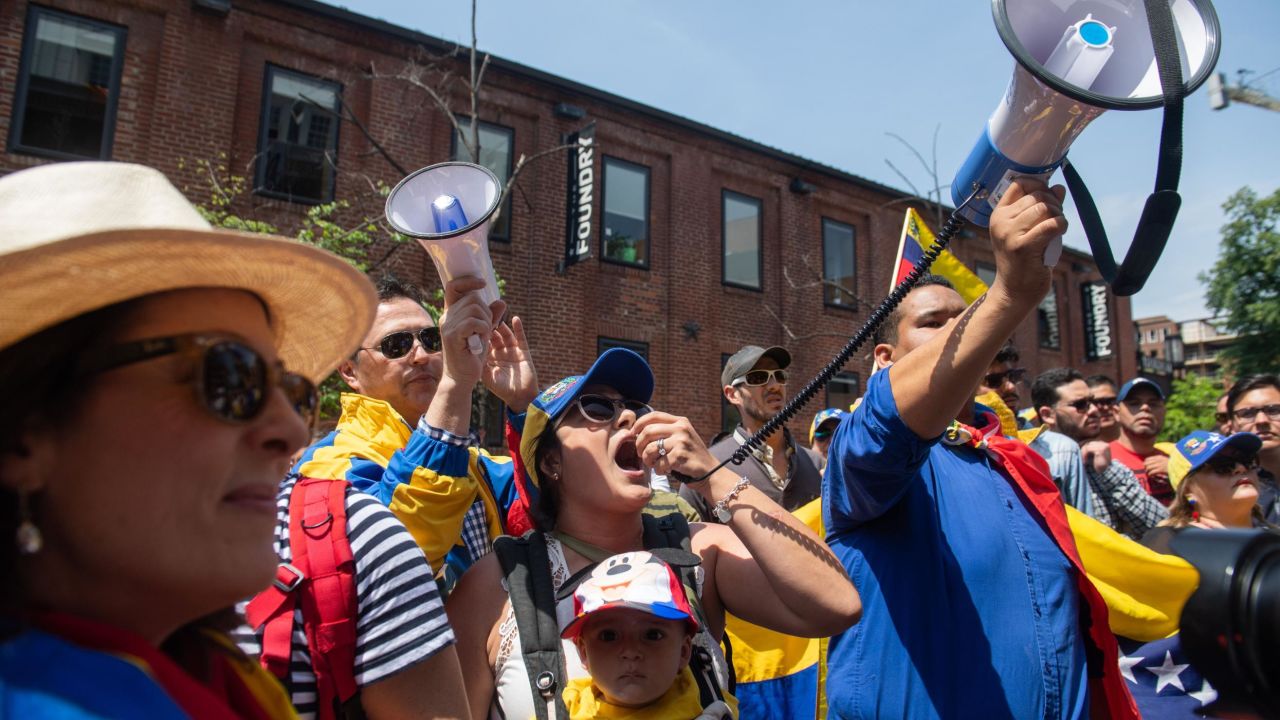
(533, 602)
(321, 581)
(671, 533)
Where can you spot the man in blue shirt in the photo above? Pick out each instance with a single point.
(971, 607)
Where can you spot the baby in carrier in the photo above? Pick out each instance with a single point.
(633, 628)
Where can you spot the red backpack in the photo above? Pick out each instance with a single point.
(321, 580)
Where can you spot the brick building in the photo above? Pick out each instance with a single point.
(709, 240)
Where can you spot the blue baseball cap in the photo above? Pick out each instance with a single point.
(1199, 447)
(1138, 382)
(821, 417)
(619, 368)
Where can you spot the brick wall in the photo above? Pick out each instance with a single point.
(193, 87)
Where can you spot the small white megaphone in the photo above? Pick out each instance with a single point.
(1075, 59)
(448, 209)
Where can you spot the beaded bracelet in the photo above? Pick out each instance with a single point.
(721, 510)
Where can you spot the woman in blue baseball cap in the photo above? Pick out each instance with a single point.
(1216, 481)
(588, 445)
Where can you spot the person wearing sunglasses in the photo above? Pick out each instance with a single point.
(588, 444)
(821, 429)
(1071, 446)
(1140, 414)
(404, 434)
(1216, 478)
(1103, 391)
(1253, 405)
(754, 380)
(158, 375)
(950, 531)
(999, 388)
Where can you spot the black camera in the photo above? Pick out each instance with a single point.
(1230, 627)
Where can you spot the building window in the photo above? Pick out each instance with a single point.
(65, 100)
(639, 348)
(837, 264)
(729, 416)
(496, 143)
(626, 213)
(985, 272)
(741, 218)
(1047, 323)
(843, 390)
(298, 147)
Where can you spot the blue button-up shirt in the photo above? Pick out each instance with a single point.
(969, 607)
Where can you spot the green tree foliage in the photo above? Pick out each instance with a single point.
(1244, 284)
(1190, 406)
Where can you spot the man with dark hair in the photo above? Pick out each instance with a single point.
(1253, 405)
(1222, 416)
(404, 433)
(998, 388)
(1103, 391)
(887, 333)
(1141, 418)
(1071, 445)
(754, 380)
(975, 602)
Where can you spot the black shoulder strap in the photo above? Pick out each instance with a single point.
(667, 537)
(1162, 205)
(534, 604)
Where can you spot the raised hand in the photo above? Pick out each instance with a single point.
(466, 315)
(509, 371)
(1027, 219)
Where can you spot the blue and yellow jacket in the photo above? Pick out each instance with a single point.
(427, 482)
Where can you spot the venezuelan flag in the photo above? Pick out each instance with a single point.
(916, 236)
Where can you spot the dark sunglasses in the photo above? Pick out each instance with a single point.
(1105, 403)
(996, 379)
(398, 344)
(1082, 405)
(233, 381)
(602, 409)
(1226, 465)
(756, 378)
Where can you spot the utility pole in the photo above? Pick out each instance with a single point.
(1221, 94)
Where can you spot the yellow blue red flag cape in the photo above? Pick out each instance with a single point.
(916, 238)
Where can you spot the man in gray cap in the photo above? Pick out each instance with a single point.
(754, 380)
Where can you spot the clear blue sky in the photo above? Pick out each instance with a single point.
(827, 80)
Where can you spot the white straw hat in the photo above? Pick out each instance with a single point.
(75, 237)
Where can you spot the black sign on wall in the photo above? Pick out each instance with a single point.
(1098, 337)
(581, 195)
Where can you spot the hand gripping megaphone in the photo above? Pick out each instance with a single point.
(447, 208)
(1075, 59)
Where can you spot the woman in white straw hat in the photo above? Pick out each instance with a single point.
(157, 375)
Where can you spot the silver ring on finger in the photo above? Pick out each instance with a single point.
(662, 451)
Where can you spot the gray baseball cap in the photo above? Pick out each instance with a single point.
(744, 361)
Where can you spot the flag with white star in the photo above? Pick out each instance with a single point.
(1162, 681)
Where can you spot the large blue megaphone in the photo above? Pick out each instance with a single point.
(1075, 59)
(448, 208)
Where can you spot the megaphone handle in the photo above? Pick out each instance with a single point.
(1053, 252)
(475, 345)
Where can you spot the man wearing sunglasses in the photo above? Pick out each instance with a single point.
(1253, 405)
(1081, 464)
(1103, 391)
(404, 434)
(1141, 417)
(754, 380)
(998, 389)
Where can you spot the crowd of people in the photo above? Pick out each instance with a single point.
(183, 547)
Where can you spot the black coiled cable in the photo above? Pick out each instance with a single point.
(945, 234)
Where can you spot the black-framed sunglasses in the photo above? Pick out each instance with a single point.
(603, 409)
(756, 378)
(1082, 405)
(1105, 403)
(398, 344)
(1250, 414)
(1226, 464)
(996, 379)
(232, 380)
